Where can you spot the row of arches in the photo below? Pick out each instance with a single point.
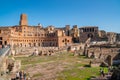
(35, 40)
(43, 44)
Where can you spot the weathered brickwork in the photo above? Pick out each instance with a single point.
(89, 32)
(24, 35)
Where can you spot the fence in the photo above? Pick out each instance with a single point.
(3, 50)
(3, 53)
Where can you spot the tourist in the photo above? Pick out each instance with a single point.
(102, 72)
(33, 53)
(36, 52)
(7, 71)
(1, 73)
(20, 75)
(24, 75)
(90, 63)
(17, 75)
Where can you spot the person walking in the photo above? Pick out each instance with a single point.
(24, 75)
(20, 74)
(17, 75)
(102, 72)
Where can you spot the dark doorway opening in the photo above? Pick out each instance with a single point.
(90, 35)
(5, 42)
(0, 38)
(34, 44)
(75, 40)
(38, 44)
(0, 42)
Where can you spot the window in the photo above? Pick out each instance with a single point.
(67, 40)
(0, 38)
(0, 42)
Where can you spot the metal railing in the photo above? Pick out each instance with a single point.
(3, 53)
(3, 50)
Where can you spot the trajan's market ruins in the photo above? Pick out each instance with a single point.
(23, 35)
(103, 47)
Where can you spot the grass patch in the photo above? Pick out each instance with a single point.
(78, 74)
(75, 67)
(35, 59)
(37, 75)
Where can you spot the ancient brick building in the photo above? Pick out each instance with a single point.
(75, 33)
(118, 37)
(112, 37)
(24, 35)
(88, 32)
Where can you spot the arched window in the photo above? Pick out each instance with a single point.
(90, 35)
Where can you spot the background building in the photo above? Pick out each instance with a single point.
(24, 35)
(89, 32)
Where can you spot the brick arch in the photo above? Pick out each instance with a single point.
(90, 35)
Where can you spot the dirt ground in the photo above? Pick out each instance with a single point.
(53, 67)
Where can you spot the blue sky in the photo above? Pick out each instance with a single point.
(102, 13)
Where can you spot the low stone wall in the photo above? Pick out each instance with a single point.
(105, 54)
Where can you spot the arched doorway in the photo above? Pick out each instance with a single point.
(90, 35)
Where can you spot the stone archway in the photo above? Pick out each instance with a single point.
(90, 35)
